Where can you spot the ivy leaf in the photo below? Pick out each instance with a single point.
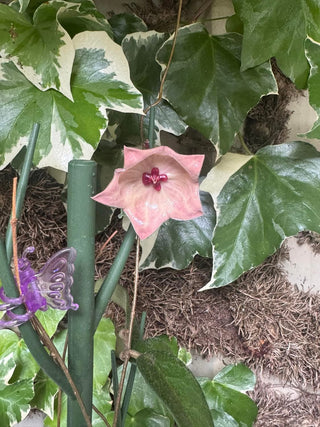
(274, 195)
(68, 129)
(42, 50)
(278, 29)
(45, 390)
(312, 52)
(196, 83)
(239, 377)
(229, 407)
(8, 345)
(50, 319)
(176, 386)
(140, 50)
(177, 242)
(82, 15)
(14, 401)
(126, 23)
(104, 342)
(148, 418)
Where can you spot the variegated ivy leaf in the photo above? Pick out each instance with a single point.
(100, 80)
(313, 54)
(78, 16)
(42, 50)
(205, 84)
(274, 195)
(140, 50)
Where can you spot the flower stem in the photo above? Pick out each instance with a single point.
(81, 236)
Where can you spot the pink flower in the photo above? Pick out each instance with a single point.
(153, 186)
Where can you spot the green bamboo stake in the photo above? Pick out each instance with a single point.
(23, 183)
(110, 282)
(81, 236)
(151, 127)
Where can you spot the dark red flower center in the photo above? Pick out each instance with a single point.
(155, 178)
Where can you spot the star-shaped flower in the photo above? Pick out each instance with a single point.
(153, 186)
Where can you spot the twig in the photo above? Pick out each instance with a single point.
(49, 344)
(164, 76)
(105, 244)
(127, 353)
(101, 415)
(13, 223)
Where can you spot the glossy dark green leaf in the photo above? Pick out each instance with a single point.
(177, 387)
(239, 377)
(178, 242)
(236, 405)
(140, 50)
(278, 29)
(206, 86)
(126, 23)
(274, 195)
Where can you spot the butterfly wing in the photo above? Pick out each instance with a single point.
(55, 280)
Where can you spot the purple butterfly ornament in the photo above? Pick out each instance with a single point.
(50, 287)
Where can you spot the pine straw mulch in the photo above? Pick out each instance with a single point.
(261, 320)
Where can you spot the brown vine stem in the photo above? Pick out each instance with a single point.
(14, 232)
(164, 76)
(127, 353)
(56, 355)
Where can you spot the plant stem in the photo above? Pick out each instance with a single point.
(110, 282)
(81, 236)
(23, 183)
(244, 145)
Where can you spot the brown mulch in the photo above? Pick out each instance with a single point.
(261, 320)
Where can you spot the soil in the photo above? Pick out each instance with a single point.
(261, 319)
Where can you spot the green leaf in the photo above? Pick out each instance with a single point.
(102, 401)
(274, 195)
(50, 319)
(278, 29)
(147, 418)
(223, 399)
(196, 83)
(312, 52)
(45, 390)
(177, 242)
(126, 23)
(140, 50)
(14, 401)
(8, 345)
(222, 419)
(143, 397)
(100, 80)
(42, 51)
(239, 377)
(104, 342)
(159, 343)
(26, 366)
(177, 387)
(48, 422)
